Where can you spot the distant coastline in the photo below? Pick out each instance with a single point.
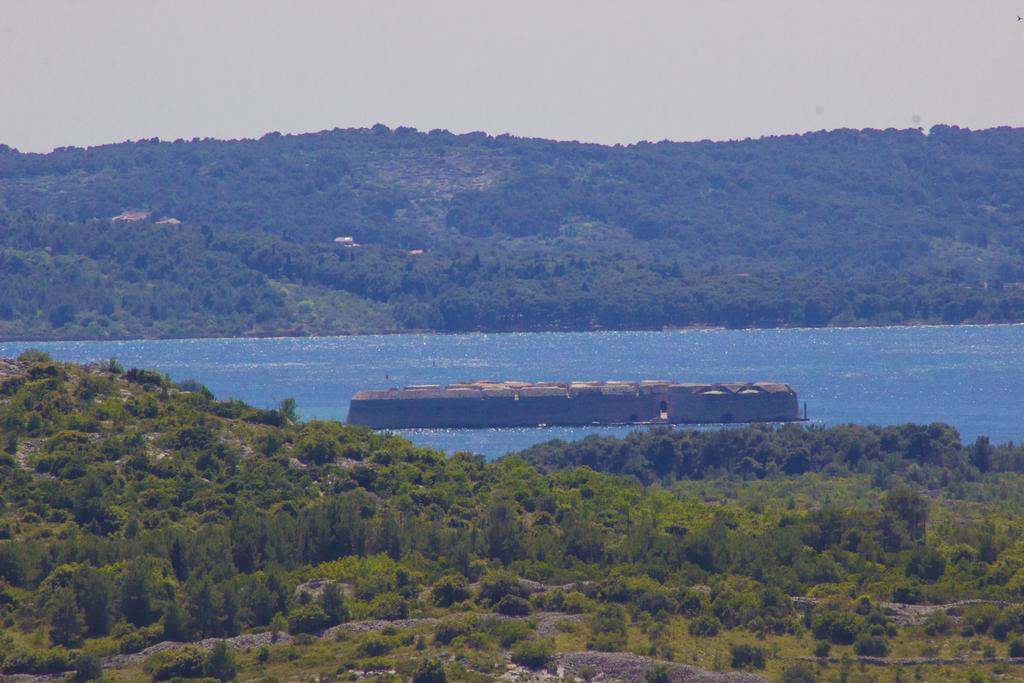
(387, 231)
(393, 333)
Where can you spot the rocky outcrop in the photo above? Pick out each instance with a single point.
(623, 666)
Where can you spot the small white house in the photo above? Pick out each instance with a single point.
(130, 217)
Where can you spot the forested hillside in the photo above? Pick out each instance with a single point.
(825, 228)
(155, 532)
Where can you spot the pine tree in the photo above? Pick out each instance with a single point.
(178, 560)
(66, 619)
(203, 612)
(174, 628)
(245, 541)
(95, 601)
(220, 663)
(135, 602)
(229, 611)
(333, 603)
(262, 603)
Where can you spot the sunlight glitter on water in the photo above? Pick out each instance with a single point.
(968, 376)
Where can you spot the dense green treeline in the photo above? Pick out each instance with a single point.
(844, 227)
(926, 454)
(94, 280)
(135, 510)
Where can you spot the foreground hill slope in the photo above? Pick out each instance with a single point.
(151, 530)
(237, 237)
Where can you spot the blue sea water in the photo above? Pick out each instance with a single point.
(971, 377)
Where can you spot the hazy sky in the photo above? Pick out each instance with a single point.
(82, 72)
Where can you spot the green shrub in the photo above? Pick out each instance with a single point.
(1016, 648)
(111, 365)
(980, 617)
(704, 627)
(659, 673)
(429, 671)
(135, 640)
(691, 602)
(1005, 624)
(608, 629)
(374, 646)
(577, 603)
(822, 648)
(379, 664)
(185, 663)
(220, 663)
(606, 642)
(910, 594)
(937, 623)
(389, 606)
(47, 661)
(799, 673)
(450, 629)
(35, 356)
(144, 377)
(513, 606)
(926, 564)
(449, 590)
(506, 632)
(497, 585)
(839, 627)
(871, 646)
(309, 618)
(745, 656)
(533, 654)
(88, 667)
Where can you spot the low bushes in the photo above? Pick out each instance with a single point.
(449, 590)
(184, 663)
(513, 606)
(311, 618)
(533, 654)
(745, 656)
(704, 627)
(871, 646)
(44, 661)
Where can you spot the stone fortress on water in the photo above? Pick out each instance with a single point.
(485, 404)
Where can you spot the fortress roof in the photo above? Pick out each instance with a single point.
(495, 389)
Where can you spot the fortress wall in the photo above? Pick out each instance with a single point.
(780, 407)
(414, 412)
(574, 410)
(577, 404)
(686, 406)
(616, 408)
(528, 411)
